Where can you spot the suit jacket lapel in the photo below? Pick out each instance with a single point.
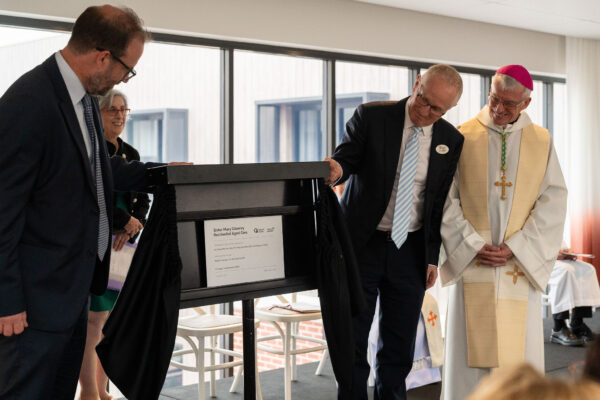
(394, 127)
(66, 107)
(437, 138)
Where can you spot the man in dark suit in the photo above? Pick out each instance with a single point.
(56, 186)
(398, 159)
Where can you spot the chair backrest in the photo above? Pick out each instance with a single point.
(202, 311)
(282, 299)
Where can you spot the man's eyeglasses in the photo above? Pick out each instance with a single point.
(114, 111)
(130, 71)
(507, 104)
(423, 102)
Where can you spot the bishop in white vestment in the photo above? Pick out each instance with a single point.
(502, 229)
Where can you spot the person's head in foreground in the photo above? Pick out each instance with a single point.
(523, 382)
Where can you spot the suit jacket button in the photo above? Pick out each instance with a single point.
(134, 200)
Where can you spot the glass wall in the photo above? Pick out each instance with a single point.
(277, 108)
(22, 49)
(358, 83)
(174, 100)
(536, 107)
(470, 102)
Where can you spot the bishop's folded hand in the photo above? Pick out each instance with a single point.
(494, 256)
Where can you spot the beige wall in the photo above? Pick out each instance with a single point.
(343, 25)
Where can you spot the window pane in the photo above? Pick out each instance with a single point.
(358, 83)
(277, 108)
(535, 110)
(470, 101)
(22, 49)
(560, 115)
(180, 86)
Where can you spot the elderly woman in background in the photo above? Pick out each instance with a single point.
(129, 217)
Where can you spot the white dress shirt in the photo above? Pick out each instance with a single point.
(76, 93)
(416, 211)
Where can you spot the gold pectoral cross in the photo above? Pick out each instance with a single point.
(515, 274)
(504, 184)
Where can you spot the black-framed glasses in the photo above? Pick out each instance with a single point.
(130, 71)
(507, 104)
(423, 102)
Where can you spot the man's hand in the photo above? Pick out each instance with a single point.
(180, 163)
(133, 226)
(494, 256)
(563, 256)
(335, 171)
(13, 324)
(432, 273)
(120, 240)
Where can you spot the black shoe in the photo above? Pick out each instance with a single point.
(584, 332)
(565, 337)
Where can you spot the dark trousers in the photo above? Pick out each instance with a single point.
(577, 316)
(576, 313)
(398, 277)
(39, 364)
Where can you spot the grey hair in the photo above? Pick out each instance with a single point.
(449, 74)
(509, 83)
(106, 100)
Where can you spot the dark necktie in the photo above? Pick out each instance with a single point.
(103, 231)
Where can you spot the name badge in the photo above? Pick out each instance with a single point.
(442, 149)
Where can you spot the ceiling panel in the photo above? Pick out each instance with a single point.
(580, 18)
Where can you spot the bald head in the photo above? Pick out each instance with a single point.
(106, 27)
(447, 74)
(433, 94)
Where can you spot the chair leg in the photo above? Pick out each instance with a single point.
(200, 367)
(322, 362)
(295, 329)
(236, 379)
(287, 360)
(213, 383)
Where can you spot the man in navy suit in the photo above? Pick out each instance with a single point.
(398, 159)
(56, 185)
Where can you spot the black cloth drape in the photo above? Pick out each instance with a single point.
(340, 290)
(140, 332)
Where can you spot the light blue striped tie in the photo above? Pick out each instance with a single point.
(404, 195)
(103, 229)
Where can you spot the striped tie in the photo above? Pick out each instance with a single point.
(97, 174)
(405, 188)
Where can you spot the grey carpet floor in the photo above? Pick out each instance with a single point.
(312, 387)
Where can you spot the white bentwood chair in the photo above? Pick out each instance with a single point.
(290, 319)
(195, 330)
